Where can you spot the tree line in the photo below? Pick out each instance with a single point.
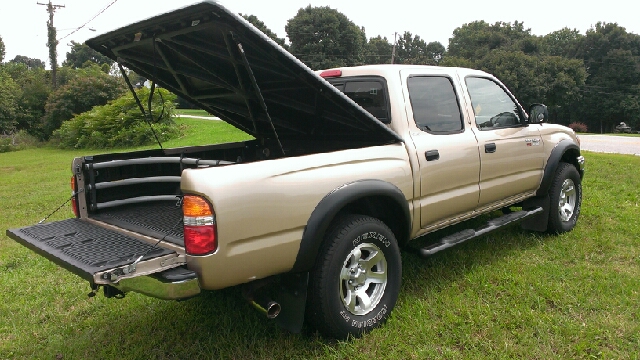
(591, 79)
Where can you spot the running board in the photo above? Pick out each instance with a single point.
(468, 234)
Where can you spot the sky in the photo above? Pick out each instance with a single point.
(24, 31)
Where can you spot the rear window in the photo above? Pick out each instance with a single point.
(369, 92)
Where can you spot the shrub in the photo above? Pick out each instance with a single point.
(79, 95)
(578, 127)
(120, 123)
(17, 141)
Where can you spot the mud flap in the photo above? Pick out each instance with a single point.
(539, 222)
(90, 250)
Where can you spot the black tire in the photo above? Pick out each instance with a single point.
(356, 279)
(566, 199)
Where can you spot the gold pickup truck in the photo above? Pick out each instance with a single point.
(346, 167)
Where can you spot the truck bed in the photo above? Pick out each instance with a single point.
(160, 219)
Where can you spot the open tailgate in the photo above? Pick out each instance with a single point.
(95, 253)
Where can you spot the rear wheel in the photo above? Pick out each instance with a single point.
(356, 280)
(566, 198)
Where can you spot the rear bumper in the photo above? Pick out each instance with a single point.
(173, 284)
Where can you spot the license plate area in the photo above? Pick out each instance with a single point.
(85, 248)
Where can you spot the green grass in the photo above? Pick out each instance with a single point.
(193, 112)
(511, 294)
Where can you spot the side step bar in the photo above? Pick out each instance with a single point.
(468, 234)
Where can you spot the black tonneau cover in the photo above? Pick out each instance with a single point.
(211, 57)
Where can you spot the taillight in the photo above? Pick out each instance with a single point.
(74, 198)
(199, 226)
(331, 73)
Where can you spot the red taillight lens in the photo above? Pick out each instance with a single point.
(199, 240)
(74, 199)
(199, 226)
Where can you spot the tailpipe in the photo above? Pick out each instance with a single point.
(259, 300)
(266, 306)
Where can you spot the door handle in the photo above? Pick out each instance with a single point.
(490, 147)
(432, 155)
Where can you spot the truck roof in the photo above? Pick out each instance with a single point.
(391, 70)
(219, 61)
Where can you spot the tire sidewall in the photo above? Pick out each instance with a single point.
(565, 171)
(374, 232)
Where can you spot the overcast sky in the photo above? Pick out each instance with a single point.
(24, 32)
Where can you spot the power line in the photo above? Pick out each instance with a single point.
(90, 20)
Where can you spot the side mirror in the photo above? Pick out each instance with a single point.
(538, 113)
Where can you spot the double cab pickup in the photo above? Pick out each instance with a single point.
(345, 168)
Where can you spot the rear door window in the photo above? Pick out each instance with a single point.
(435, 104)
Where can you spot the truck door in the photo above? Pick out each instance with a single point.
(447, 149)
(511, 151)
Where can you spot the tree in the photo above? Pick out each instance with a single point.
(9, 93)
(612, 91)
(378, 51)
(436, 51)
(564, 42)
(322, 37)
(80, 94)
(410, 49)
(262, 27)
(34, 87)
(81, 55)
(2, 51)
(29, 62)
(476, 39)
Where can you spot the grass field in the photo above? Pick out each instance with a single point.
(511, 294)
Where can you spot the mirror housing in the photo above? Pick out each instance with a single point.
(538, 113)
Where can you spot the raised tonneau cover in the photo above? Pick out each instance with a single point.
(211, 56)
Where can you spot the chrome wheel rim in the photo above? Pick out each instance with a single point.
(567, 202)
(363, 279)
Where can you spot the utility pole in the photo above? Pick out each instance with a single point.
(52, 43)
(393, 51)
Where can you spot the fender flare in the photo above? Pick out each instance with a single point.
(557, 155)
(329, 207)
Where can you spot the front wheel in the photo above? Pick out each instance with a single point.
(356, 280)
(566, 198)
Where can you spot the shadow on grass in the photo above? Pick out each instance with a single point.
(221, 324)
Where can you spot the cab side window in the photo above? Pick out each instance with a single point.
(435, 105)
(492, 105)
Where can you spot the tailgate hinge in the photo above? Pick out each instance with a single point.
(127, 270)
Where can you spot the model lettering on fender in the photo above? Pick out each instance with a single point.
(372, 235)
(532, 142)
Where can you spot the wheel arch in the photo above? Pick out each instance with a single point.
(375, 198)
(566, 151)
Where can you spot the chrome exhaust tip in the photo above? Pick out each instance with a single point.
(271, 309)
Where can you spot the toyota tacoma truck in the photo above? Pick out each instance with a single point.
(346, 166)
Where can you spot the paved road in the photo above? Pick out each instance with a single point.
(199, 117)
(611, 144)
